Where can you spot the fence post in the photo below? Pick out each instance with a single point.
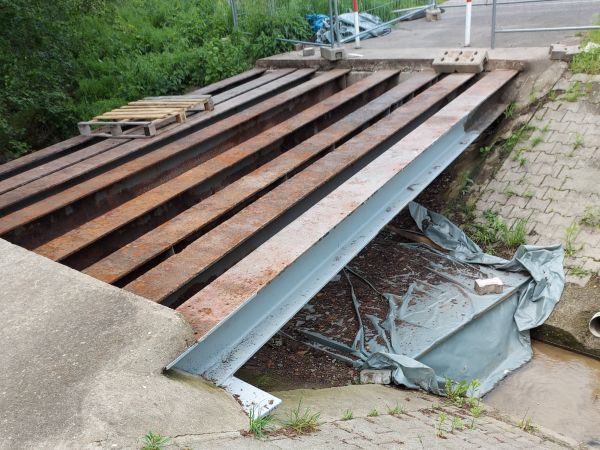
(493, 43)
(234, 14)
(468, 24)
(356, 24)
(331, 34)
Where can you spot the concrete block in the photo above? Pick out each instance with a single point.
(489, 286)
(308, 51)
(376, 376)
(561, 52)
(463, 60)
(333, 54)
(433, 14)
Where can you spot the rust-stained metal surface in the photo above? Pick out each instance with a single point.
(231, 160)
(223, 296)
(183, 268)
(209, 211)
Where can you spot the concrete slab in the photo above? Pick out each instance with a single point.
(404, 58)
(81, 363)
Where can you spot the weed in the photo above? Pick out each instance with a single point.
(458, 392)
(578, 141)
(527, 194)
(536, 140)
(475, 414)
(591, 217)
(571, 233)
(440, 424)
(522, 161)
(515, 235)
(495, 231)
(373, 413)
(579, 272)
(347, 415)
(396, 410)
(515, 137)
(486, 150)
(436, 406)
(509, 193)
(545, 128)
(302, 421)
(259, 426)
(457, 424)
(464, 182)
(154, 442)
(526, 424)
(552, 95)
(573, 93)
(509, 112)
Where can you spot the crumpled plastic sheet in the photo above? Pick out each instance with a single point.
(448, 331)
(366, 22)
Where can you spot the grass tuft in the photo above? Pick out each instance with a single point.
(154, 441)
(347, 415)
(259, 426)
(302, 420)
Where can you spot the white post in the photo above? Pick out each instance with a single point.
(468, 25)
(356, 24)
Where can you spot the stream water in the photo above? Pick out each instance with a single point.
(558, 389)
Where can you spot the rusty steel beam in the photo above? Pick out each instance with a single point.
(76, 143)
(107, 152)
(154, 243)
(170, 280)
(228, 83)
(228, 162)
(59, 163)
(190, 222)
(239, 311)
(251, 121)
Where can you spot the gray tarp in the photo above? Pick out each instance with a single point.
(448, 330)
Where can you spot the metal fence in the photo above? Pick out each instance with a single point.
(495, 29)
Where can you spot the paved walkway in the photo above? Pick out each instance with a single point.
(551, 178)
(417, 427)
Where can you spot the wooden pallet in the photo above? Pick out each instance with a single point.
(148, 114)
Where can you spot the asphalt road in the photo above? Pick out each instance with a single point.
(449, 32)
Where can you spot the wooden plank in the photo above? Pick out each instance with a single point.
(40, 164)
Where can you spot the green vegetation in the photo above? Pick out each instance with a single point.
(573, 93)
(591, 217)
(154, 442)
(526, 424)
(457, 424)
(475, 414)
(509, 112)
(578, 141)
(588, 62)
(302, 421)
(495, 232)
(571, 233)
(373, 413)
(515, 137)
(347, 415)
(68, 60)
(396, 410)
(259, 426)
(458, 391)
(579, 272)
(439, 428)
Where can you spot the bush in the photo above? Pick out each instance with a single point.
(69, 60)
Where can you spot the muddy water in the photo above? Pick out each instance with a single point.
(558, 389)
